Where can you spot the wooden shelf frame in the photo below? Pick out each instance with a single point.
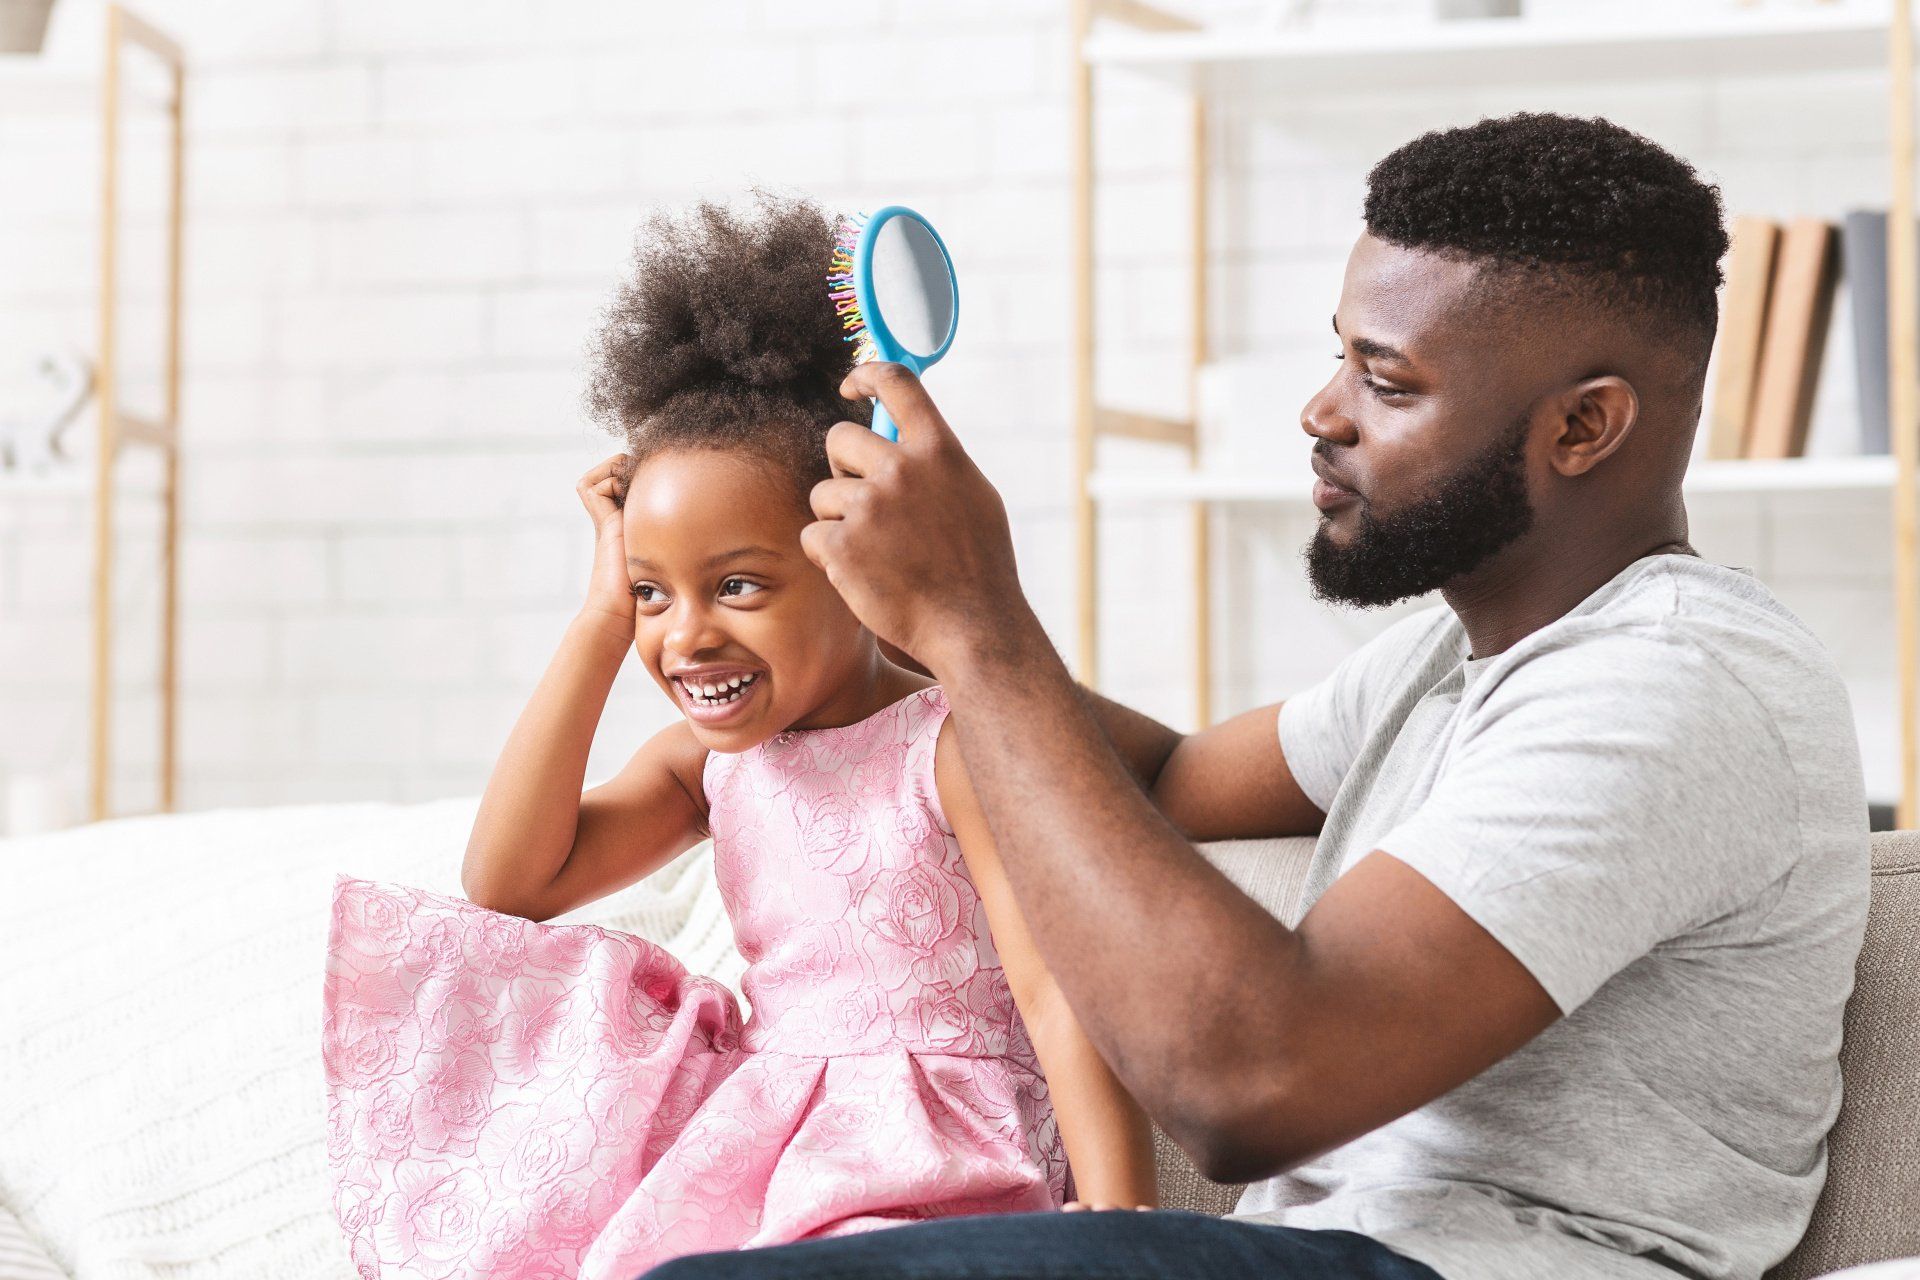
(119, 430)
(1903, 340)
(1093, 420)
(1147, 40)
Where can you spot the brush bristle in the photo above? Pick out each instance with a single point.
(840, 287)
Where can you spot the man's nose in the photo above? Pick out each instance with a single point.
(1324, 419)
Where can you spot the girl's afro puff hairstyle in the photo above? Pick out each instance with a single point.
(724, 337)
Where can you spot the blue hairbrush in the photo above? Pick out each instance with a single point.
(892, 284)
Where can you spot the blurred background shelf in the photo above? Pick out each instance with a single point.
(1493, 51)
(1761, 50)
(67, 484)
(30, 87)
(111, 77)
(1811, 475)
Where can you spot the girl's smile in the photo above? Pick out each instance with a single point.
(737, 626)
(716, 695)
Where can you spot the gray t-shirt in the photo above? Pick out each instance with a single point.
(1655, 804)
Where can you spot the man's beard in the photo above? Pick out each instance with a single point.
(1470, 515)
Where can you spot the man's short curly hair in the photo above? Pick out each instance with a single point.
(1579, 205)
(724, 337)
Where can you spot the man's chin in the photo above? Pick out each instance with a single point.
(1342, 572)
(1354, 596)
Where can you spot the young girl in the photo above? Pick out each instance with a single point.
(515, 1099)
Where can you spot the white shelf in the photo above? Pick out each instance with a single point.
(1806, 475)
(1795, 475)
(77, 483)
(34, 85)
(29, 86)
(1482, 52)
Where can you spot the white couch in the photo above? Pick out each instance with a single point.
(161, 1101)
(160, 1085)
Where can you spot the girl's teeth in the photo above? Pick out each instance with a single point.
(728, 690)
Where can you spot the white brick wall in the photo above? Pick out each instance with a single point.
(404, 218)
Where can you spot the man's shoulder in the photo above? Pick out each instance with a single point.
(1702, 673)
(1681, 627)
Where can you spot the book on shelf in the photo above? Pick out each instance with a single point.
(1775, 313)
(1743, 314)
(1863, 257)
(1799, 307)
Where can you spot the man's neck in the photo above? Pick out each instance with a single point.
(1539, 580)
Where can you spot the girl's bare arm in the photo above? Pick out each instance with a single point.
(1107, 1136)
(539, 847)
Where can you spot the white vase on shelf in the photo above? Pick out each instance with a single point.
(1471, 10)
(23, 25)
(40, 802)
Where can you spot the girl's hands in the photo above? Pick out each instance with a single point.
(603, 491)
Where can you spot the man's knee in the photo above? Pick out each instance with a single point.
(695, 1266)
(959, 1245)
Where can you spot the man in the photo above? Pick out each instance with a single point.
(1591, 869)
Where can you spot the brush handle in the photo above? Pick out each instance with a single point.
(883, 423)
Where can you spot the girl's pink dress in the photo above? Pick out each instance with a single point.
(516, 1100)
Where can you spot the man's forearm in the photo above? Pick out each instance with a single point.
(1121, 907)
(1143, 744)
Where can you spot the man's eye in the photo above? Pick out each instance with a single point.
(739, 587)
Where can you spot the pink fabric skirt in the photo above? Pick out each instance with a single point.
(517, 1100)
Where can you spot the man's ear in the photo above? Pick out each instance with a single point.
(1596, 416)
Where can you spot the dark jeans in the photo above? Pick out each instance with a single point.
(1117, 1244)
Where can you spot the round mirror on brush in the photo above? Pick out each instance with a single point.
(892, 283)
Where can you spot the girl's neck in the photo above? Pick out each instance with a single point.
(873, 687)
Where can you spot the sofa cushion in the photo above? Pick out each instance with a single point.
(21, 1257)
(1868, 1211)
(164, 1108)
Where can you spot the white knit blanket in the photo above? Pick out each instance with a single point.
(161, 1098)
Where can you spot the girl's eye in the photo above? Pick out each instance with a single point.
(647, 593)
(739, 587)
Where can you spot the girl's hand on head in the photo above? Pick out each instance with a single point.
(603, 491)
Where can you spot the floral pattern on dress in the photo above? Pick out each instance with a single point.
(527, 1101)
